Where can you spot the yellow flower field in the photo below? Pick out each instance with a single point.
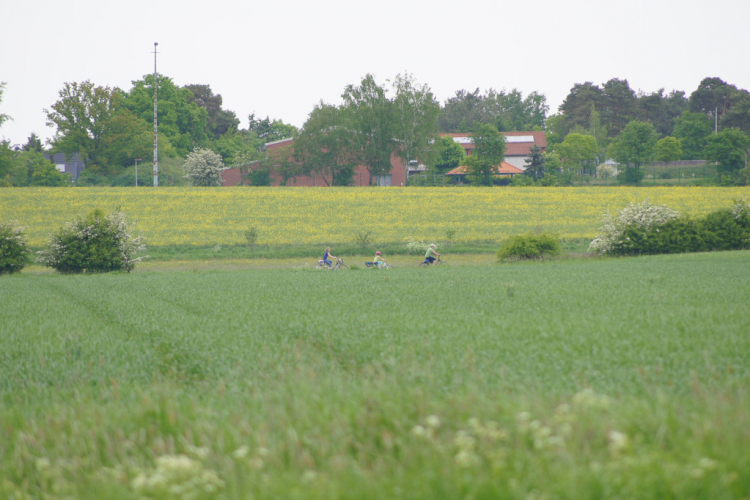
(210, 216)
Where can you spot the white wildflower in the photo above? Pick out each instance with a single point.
(433, 421)
(618, 441)
(418, 430)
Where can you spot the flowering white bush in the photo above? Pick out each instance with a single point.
(604, 170)
(177, 476)
(643, 215)
(741, 209)
(203, 168)
(95, 243)
(416, 246)
(13, 252)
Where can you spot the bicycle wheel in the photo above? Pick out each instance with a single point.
(342, 266)
(424, 264)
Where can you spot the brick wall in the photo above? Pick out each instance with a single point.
(231, 176)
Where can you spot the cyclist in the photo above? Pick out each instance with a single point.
(428, 256)
(327, 257)
(378, 260)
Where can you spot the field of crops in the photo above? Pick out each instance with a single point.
(211, 216)
(605, 378)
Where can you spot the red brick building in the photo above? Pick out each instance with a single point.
(518, 146)
(361, 177)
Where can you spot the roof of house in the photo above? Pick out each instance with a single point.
(518, 143)
(504, 168)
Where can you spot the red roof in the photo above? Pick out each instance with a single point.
(505, 168)
(512, 148)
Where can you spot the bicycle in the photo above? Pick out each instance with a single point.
(339, 264)
(384, 266)
(426, 263)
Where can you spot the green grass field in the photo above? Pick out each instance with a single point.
(592, 378)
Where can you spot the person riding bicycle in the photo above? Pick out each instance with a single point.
(378, 260)
(428, 256)
(327, 257)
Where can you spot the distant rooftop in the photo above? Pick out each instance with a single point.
(508, 138)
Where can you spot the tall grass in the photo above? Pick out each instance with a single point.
(597, 379)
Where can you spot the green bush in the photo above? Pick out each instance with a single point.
(521, 181)
(93, 244)
(13, 252)
(530, 246)
(727, 229)
(549, 180)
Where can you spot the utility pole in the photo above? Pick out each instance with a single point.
(156, 128)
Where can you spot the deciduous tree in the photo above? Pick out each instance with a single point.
(729, 148)
(488, 154)
(692, 129)
(416, 114)
(220, 121)
(633, 148)
(180, 119)
(370, 119)
(668, 149)
(449, 154)
(3, 117)
(577, 149)
(81, 116)
(323, 145)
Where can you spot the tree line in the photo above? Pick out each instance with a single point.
(110, 128)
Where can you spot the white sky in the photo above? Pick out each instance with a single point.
(279, 58)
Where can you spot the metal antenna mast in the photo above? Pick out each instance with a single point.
(156, 128)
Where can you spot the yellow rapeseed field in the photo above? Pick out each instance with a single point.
(210, 216)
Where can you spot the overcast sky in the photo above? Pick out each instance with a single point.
(279, 58)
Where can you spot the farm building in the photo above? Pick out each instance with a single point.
(519, 145)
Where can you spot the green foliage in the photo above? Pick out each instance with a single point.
(93, 244)
(522, 181)
(28, 163)
(3, 116)
(490, 391)
(535, 163)
(260, 176)
(449, 155)
(633, 148)
(44, 173)
(549, 179)
(251, 235)
(654, 230)
(370, 118)
(507, 111)
(219, 121)
(364, 239)
(692, 129)
(668, 149)
(13, 252)
(450, 235)
(181, 120)
(530, 246)
(577, 150)
(7, 161)
(488, 154)
(415, 114)
(323, 145)
(729, 148)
